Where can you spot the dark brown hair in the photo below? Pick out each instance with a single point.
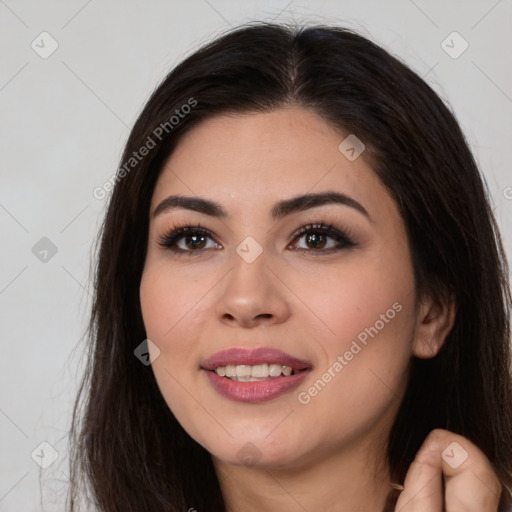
(129, 453)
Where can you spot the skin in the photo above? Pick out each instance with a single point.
(327, 454)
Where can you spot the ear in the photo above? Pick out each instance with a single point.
(435, 320)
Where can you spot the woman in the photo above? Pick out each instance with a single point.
(300, 243)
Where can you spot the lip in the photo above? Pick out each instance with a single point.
(259, 391)
(255, 392)
(254, 356)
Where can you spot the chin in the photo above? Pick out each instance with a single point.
(258, 451)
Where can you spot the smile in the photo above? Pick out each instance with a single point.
(258, 372)
(254, 375)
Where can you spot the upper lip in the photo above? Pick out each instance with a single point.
(251, 357)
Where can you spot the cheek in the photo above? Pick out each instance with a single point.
(363, 294)
(175, 307)
(363, 323)
(170, 300)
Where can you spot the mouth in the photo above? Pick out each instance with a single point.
(255, 375)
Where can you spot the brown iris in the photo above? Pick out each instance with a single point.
(195, 241)
(315, 240)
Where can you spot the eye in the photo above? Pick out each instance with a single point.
(188, 239)
(317, 238)
(322, 238)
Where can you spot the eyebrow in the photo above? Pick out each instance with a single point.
(279, 210)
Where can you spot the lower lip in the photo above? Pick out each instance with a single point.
(255, 392)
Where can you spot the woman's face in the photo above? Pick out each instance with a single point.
(338, 306)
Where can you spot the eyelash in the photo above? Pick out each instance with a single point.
(176, 233)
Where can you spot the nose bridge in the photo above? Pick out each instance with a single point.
(248, 277)
(250, 291)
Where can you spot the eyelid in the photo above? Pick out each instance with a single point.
(342, 237)
(179, 231)
(331, 222)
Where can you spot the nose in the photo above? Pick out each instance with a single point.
(251, 295)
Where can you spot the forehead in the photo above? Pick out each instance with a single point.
(244, 158)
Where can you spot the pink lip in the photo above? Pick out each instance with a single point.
(260, 391)
(254, 356)
(255, 392)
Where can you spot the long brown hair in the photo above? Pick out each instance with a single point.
(129, 453)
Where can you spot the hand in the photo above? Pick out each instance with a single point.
(470, 483)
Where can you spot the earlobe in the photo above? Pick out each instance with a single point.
(435, 321)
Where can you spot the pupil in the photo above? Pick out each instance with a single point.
(196, 241)
(316, 240)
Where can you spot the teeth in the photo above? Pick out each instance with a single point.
(274, 370)
(243, 370)
(258, 372)
(287, 370)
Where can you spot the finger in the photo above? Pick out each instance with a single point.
(423, 486)
(471, 484)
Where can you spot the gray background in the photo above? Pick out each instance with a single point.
(66, 117)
